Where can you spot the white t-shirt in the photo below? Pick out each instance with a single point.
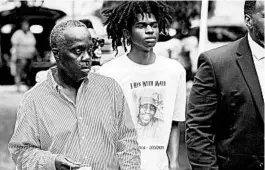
(156, 95)
(24, 44)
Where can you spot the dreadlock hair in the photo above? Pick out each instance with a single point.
(124, 16)
(249, 7)
(56, 37)
(87, 22)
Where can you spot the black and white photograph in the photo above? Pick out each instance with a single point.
(132, 85)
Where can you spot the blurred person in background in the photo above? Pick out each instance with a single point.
(141, 73)
(74, 118)
(225, 117)
(98, 42)
(188, 50)
(22, 52)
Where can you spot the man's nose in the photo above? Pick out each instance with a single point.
(149, 29)
(86, 56)
(148, 109)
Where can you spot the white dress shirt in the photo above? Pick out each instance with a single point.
(258, 54)
(96, 130)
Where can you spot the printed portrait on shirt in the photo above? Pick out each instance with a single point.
(149, 116)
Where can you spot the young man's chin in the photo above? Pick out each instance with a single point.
(149, 48)
(151, 44)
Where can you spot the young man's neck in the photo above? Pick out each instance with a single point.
(142, 57)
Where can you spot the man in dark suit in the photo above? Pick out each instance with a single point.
(225, 119)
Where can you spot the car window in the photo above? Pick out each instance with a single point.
(225, 33)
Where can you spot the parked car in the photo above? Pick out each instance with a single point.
(42, 19)
(221, 30)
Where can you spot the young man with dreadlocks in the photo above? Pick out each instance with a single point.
(154, 85)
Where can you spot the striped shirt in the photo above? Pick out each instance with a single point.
(97, 130)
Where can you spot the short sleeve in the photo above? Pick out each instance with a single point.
(180, 100)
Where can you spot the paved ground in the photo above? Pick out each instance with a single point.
(9, 100)
(8, 104)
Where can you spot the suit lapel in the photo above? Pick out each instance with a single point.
(247, 67)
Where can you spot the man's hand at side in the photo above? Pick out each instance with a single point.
(64, 163)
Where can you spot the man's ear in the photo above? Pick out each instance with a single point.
(55, 52)
(248, 21)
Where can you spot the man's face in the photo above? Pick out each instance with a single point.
(145, 32)
(25, 26)
(98, 44)
(258, 23)
(147, 112)
(75, 55)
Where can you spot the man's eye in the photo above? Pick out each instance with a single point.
(78, 51)
(90, 50)
(155, 25)
(140, 26)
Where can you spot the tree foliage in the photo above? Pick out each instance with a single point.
(186, 11)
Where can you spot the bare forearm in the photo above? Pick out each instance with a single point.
(173, 146)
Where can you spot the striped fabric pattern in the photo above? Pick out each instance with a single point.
(97, 130)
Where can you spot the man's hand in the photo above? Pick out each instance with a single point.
(64, 163)
(174, 167)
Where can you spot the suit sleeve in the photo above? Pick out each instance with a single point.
(127, 146)
(202, 107)
(180, 104)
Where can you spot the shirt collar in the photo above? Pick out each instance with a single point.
(256, 49)
(53, 83)
(50, 77)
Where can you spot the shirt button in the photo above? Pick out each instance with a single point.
(80, 118)
(83, 137)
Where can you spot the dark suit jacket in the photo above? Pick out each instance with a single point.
(225, 118)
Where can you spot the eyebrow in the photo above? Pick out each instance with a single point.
(80, 46)
(155, 22)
